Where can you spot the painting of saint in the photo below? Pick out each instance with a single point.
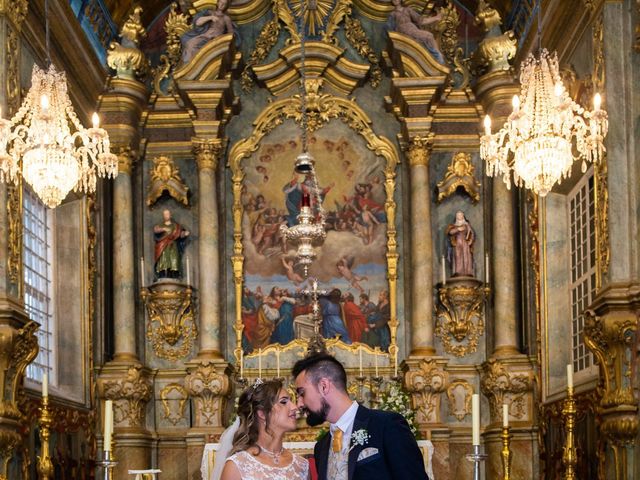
(350, 264)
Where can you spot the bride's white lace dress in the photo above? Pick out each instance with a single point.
(253, 469)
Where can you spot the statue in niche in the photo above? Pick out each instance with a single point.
(170, 240)
(461, 237)
(208, 25)
(409, 22)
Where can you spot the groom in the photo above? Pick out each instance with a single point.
(363, 443)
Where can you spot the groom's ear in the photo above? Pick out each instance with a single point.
(324, 386)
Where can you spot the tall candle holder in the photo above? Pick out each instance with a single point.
(506, 453)
(569, 457)
(476, 457)
(45, 466)
(376, 387)
(108, 463)
(361, 379)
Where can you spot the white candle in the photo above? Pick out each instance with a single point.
(45, 385)
(259, 363)
(142, 271)
(444, 272)
(475, 418)
(278, 363)
(376, 350)
(241, 363)
(505, 415)
(570, 376)
(360, 351)
(486, 268)
(188, 273)
(108, 424)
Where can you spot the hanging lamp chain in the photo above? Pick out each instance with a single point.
(303, 76)
(46, 32)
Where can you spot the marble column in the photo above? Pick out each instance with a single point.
(421, 247)
(207, 153)
(505, 285)
(123, 263)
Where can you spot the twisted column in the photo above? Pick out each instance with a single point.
(419, 152)
(207, 153)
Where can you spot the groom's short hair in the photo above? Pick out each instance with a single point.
(320, 366)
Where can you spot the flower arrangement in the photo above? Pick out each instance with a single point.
(396, 399)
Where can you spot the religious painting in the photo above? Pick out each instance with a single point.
(351, 265)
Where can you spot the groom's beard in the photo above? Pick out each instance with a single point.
(316, 418)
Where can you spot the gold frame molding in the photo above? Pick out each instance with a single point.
(326, 107)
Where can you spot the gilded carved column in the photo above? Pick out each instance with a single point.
(123, 263)
(207, 154)
(419, 152)
(426, 381)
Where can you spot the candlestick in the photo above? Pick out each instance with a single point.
(45, 466)
(45, 385)
(569, 413)
(570, 376)
(376, 355)
(108, 425)
(505, 415)
(506, 453)
(486, 268)
(476, 457)
(188, 272)
(241, 363)
(142, 271)
(278, 363)
(360, 352)
(444, 272)
(475, 418)
(108, 464)
(259, 363)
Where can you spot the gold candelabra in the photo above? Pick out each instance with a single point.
(569, 458)
(45, 467)
(506, 453)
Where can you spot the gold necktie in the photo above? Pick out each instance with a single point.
(336, 443)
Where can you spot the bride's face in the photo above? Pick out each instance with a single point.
(283, 413)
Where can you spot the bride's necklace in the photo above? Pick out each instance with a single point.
(274, 455)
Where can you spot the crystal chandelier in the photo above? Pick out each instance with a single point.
(310, 230)
(38, 142)
(546, 132)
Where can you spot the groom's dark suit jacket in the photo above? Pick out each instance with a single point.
(398, 456)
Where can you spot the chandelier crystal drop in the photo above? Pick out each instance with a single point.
(46, 143)
(546, 132)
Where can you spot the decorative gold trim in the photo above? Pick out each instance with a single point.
(208, 385)
(12, 71)
(16, 10)
(501, 386)
(426, 383)
(459, 317)
(460, 173)
(14, 221)
(174, 415)
(130, 395)
(451, 399)
(242, 13)
(326, 107)
(165, 176)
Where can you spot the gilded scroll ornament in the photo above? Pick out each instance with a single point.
(16, 10)
(165, 177)
(449, 41)
(129, 395)
(357, 37)
(321, 108)
(264, 43)
(12, 71)
(501, 386)
(175, 26)
(174, 399)
(208, 385)
(497, 48)
(460, 174)
(459, 394)
(426, 384)
(14, 246)
(459, 317)
(172, 329)
(125, 57)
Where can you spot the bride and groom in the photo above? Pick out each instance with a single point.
(361, 444)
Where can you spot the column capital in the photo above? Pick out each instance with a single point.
(126, 156)
(207, 152)
(208, 383)
(419, 149)
(130, 387)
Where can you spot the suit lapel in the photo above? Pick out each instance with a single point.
(361, 422)
(322, 458)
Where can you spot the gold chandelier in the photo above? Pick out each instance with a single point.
(546, 132)
(38, 143)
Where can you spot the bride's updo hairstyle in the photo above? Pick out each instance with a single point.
(258, 397)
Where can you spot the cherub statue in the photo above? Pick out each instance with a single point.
(207, 25)
(406, 20)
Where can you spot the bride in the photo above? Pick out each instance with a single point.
(265, 414)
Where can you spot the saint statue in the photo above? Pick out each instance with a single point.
(406, 20)
(170, 240)
(208, 25)
(461, 238)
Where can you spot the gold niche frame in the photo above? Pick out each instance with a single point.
(327, 107)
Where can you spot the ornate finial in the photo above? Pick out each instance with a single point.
(488, 17)
(497, 48)
(125, 57)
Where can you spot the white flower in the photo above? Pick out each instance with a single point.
(359, 437)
